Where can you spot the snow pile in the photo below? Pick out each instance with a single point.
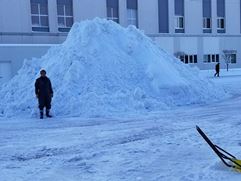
(104, 69)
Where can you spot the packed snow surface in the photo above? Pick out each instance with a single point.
(104, 69)
(160, 146)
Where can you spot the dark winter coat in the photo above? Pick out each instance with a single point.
(217, 67)
(44, 92)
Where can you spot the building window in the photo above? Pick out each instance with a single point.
(188, 59)
(132, 12)
(211, 58)
(206, 59)
(179, 16)
(221, 16)
(113, 10)
(179, 22)
(181, 57)
(206, 23)
(113, 15)
(207, 16)
(220, 23)
(217, 57)
(233, 58)
(39, 15)
(230, 58)
(132, 16)
(65, 15)
(195, 58)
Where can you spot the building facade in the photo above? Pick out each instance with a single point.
(198, 32)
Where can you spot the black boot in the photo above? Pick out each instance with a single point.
(47, 113)
(41, 114)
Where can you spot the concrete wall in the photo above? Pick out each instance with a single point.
(16, 54)
(201, 46)
(32, 38)
(15, 16)
(193, 8)
(232, 11)
(16, 28)
(87, 9)
(20, 19)
(148, 16)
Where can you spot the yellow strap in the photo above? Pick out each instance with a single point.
(237, 168)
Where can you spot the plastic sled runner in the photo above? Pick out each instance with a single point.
(227, 158)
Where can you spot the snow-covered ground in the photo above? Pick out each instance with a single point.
(160, 146)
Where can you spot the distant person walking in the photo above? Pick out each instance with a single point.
(44, 93)
(217, 68)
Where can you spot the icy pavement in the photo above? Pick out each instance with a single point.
(161, 146)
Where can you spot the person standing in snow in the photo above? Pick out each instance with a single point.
(217, 68)
(44, 93)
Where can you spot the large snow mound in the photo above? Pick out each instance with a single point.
(103, 69)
